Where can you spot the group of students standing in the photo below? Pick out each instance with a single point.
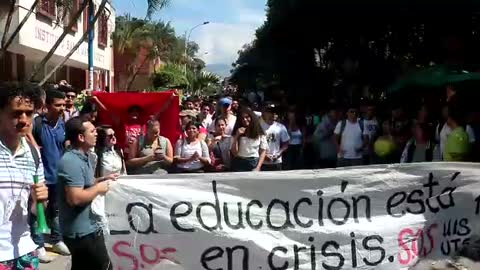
(238, 138)
(355, 136)
(79, 160)
(34, 139)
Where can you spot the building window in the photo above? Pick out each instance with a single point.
(47, 8)
(85, 19)
(85, 16)
(103, 30)
(71, 14)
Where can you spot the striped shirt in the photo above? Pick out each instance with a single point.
(16, 177)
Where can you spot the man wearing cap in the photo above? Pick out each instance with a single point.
(187, 116)
(277, 138)
(225, 104)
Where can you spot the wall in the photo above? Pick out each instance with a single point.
(40, 33)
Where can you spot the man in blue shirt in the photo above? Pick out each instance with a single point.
(49, 133)
(77, 188)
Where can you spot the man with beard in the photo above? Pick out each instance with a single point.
(77, 188)
(49, 133)
(19, 163)
(235, 107)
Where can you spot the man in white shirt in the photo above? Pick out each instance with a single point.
(277, 138)
(351, 139)
(20, 162)
(225, 104)
(205, 115)
(371, 127)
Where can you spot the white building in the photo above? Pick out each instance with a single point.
(41, 32)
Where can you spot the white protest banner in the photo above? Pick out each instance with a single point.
(375, 217)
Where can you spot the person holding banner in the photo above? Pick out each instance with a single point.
(77, 188)
(135, 124)
(191, 153)
(19, 163)
(249, 145)
(110, 158)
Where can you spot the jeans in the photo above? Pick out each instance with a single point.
(51, 213)
(293, 158)
(342, 162)
(240, 164)
(89, 252)
(272, 167)
(327, 163)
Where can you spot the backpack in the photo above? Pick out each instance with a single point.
(428, 152)
(36, 156)
(344, 125)
(37, 129)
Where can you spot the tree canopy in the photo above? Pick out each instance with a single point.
(158, 38)
(327, 46)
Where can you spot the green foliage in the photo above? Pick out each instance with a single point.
(306, 47)
(173, 76)
(155, 5)
(129, 33)
(170, 76)
(200, 82)
(159, 38)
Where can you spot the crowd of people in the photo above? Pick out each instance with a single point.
(80, 157)
(243, 136)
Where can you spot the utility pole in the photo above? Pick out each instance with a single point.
(187, 39)
(91, 36)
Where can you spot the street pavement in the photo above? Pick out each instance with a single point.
(60, 262)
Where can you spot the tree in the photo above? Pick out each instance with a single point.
(7, 42)
(173, 76)
(170, 76)
(60, 39)
(8, 21)
(127, 33)
(159, 41)
(154, 6)
(135, 37)
(202, 82)
(178, 52)
(130, 32)
(79, 43)
(310, 47)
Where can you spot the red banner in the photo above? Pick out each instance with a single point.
(151, 103)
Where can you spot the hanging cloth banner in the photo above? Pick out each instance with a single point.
(118, 104)
(374, 217)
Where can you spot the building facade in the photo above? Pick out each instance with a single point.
(40, 33)
(129, 63)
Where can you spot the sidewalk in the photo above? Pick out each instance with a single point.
(60, 263)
